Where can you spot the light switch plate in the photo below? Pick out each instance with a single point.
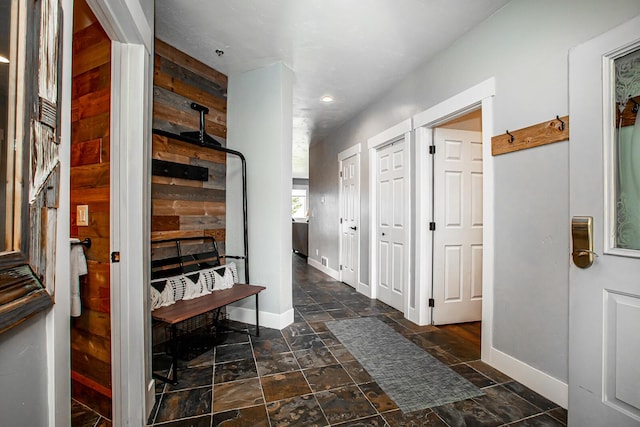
(82, 215)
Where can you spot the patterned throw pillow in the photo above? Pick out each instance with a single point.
(218, 278)
(195, 287)
(162, 294)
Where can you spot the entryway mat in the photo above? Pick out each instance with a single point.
(413, 378)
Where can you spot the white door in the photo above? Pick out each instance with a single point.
(391, 228)
(349, 219)
(604, 313)
(457, 238)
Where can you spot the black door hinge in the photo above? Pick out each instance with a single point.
(340, 266)
(115, 256)
(432, 149)
(432, 302)
(340, 174)
(340, 220)
(432, 226)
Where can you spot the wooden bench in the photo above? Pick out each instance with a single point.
(189, 257)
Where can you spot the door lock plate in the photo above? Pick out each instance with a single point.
(582, 241)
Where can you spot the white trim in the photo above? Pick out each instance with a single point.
(478, 95)
(267, 319)
(342, 156)
(387, 135)
(130, 213)
(123, 21)
(538, 381)
(423, 250)
(401, 131)
(455, 105)
(351, 151)
(326, 270)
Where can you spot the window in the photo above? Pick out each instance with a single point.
(299, 206)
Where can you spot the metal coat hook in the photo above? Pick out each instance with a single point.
(511, 137)
(634, 110)
(562, 126)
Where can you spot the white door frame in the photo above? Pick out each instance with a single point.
(477, 96)
(400, 131)
(343, 155)
(131, 99)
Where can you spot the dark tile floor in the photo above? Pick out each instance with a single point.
(303, 376)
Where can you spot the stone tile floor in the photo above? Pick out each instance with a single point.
(303, 376)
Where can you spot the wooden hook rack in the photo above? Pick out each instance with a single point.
(554, 130)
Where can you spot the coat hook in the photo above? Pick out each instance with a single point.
(634, 110)
(511, 137)
(561, 123)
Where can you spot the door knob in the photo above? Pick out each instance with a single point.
(353, 228)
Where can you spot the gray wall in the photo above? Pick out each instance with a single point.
(525, 47)
(23, 373)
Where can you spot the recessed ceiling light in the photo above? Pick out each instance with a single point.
(3, 60)
(327, 98)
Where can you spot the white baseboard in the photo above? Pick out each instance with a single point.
(150, 396)
(269, 320)
(326, 270)
(538, 381)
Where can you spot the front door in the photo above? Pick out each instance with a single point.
(457, 238)
(604, 321)
(392, 226)
(349, 218)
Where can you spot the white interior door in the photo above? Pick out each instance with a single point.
(604, 325)
(349, 219)
(457, 238)
(392, 224)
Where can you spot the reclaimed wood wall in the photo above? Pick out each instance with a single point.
(182, 207)
(90, 185)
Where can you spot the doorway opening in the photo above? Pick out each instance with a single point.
(456, 220)
(478, 97)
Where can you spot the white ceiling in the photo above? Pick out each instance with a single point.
(354, 50)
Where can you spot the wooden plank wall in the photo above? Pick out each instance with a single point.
(90, 185)
(183, 207)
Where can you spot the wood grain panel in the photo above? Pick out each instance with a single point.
(91, 80)
(175, 207)
(176, 181)
(533, 136)
(90, 176)
(90, 128)
(86, 153)
(93, 399)
(171, 192)
(183, 104)
(167, 145)
(174, 55)
(218, 234)
(172, 84)
(190, 121)
(90, 185)
(165, 223)
(91, 104)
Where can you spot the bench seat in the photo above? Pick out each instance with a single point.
(186, 309)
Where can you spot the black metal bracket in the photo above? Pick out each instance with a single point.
(179, 170)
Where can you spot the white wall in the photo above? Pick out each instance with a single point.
(260, 125)
(525, 47)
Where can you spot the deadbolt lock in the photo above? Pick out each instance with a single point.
(582, 241)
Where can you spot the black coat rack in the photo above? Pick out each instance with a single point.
(200, 141)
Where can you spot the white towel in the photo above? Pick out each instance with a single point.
(78, 268)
